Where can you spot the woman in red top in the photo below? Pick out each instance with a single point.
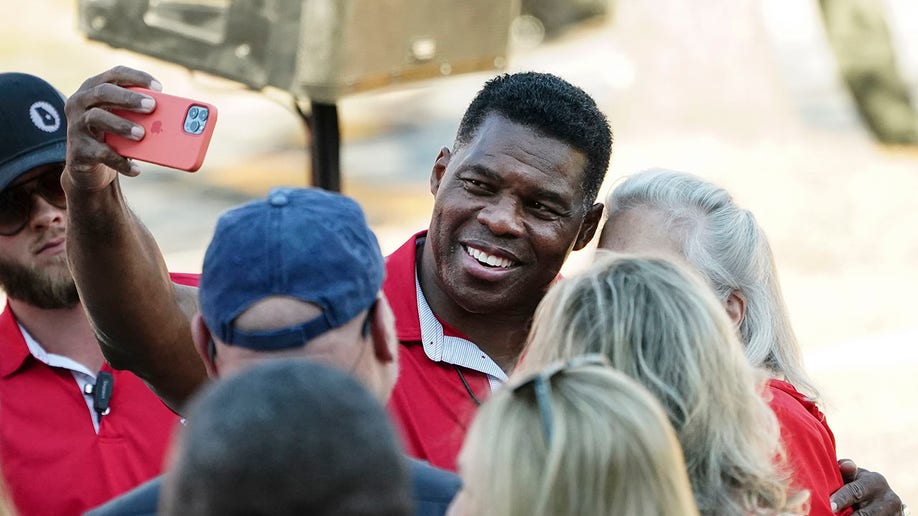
(684, 217)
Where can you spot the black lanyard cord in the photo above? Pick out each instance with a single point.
(468, 388)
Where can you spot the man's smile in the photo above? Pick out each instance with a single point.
(487, 259)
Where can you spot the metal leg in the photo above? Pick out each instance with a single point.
(325, 144)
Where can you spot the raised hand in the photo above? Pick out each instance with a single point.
(91, 164)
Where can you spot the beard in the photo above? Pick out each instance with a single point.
(49, 288)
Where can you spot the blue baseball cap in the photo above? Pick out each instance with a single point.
(304, 243)
(33, 130)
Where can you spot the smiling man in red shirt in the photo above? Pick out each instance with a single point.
(513, 198)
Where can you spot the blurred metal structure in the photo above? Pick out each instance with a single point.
(320, 50)
(558, 15)
(859, 36)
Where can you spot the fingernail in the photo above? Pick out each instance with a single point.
(135, 171)
(137, 132)
(147, 104)
(833, 506)
(156, 85)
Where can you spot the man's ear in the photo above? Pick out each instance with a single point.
(202, 342)
(439, 169)
(588, 228)
(736, 307)
(385, 343)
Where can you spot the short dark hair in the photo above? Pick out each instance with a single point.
(553, 107)
(288, 437)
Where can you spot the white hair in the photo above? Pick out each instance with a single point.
(727, 246)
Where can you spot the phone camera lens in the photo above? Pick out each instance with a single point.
(195, 126)
(202, 114)
(193, 113)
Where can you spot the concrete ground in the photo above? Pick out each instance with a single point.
(754, 105)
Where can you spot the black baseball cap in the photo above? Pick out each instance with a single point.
(33, 130)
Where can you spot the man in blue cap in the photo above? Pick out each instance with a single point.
(298, 274)
(73, 431)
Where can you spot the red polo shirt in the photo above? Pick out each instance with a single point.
(809, 444)
(430, 404)
(53, 461)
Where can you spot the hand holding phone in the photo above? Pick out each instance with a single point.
(177, 132)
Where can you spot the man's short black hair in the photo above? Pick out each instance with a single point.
(288, 437)
(553, 107)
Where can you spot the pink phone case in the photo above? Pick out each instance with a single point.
(177, 132)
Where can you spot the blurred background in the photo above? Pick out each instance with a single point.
(804, 110)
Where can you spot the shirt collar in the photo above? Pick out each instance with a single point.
(13, 349)
(454, 350)
(17, 346)
(52, 359)
(400, 278)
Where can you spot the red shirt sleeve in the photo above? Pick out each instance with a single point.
(809, 445)
(184, 278)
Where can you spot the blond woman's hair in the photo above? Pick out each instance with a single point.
(610, 451)
(6, 503)
(661, 325)
(728, 247)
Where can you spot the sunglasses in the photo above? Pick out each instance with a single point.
(16, 201)
(541, 384)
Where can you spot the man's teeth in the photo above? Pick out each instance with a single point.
(487, 259)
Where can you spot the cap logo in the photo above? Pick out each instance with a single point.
(45, 117)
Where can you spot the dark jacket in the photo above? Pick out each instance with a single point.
(433, 489)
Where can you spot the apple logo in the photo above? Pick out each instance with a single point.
(157, 127)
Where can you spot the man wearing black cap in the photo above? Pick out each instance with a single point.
(73, 431)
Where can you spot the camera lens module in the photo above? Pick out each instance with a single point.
(195, 119)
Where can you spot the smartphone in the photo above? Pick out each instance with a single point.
(177, 132)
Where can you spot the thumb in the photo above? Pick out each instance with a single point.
(848, 470)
